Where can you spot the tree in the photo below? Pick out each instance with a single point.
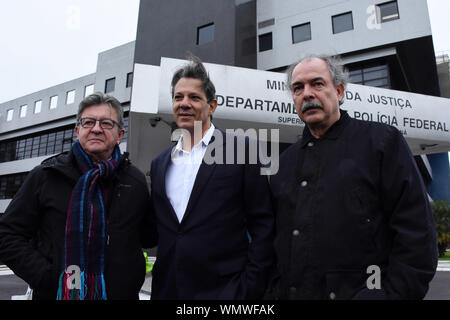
(441, 212)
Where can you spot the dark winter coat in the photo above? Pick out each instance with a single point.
(352, 200)
(33, 227)
(207, 256)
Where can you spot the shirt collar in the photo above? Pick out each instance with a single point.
(205, 140)
(332, 133)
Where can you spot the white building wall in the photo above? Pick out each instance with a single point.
(113, 63)
(289, 13)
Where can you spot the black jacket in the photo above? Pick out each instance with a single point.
(33, 227)
(208, 255)
(351, 200)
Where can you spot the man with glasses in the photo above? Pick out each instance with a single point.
(76, 227)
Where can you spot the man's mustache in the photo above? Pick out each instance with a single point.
(308, 105)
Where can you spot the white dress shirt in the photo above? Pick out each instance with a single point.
(182, 171)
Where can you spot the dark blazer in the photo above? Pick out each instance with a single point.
(208, 255)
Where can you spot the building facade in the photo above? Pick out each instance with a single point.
(41, 124)
(386, 44)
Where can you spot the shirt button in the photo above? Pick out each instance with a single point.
(332, 296)
(296, 233)
(304, 183)
(368, 220)
(310, 144)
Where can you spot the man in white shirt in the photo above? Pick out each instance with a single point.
(206, 212)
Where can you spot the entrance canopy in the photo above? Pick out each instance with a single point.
(249, 98)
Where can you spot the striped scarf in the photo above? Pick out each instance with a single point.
(85, 238)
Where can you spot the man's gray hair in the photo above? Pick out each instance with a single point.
(337, 70)
(195, 69)
(98, 98)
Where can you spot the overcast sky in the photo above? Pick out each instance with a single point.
(46, 42)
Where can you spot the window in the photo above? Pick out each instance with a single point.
(374, 76)
(23, 111)
(38, 106)
(205, 34)
(388, 11)
(9, 114)
(89, 89)
(266, 23)
(53, 102)
(10, 184)
(43, 143)
(129, 79)
(302, 32)
(125, 126)
(265, 42)
(110, 85)
(38, 144)
(342, 22)
(70, 97)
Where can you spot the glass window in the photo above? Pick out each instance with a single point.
(51, 142)
(59, 141)
(53, 102)
(129, 79)
(205, 34)
(388, 11)
(265, 42)
(35, 149)
(68, 139)
(39, 144)
(89, 89)
(43, 145)
(110, 85)
(28, 148)
(125, 127)
(70, 97)
(10, 151)
(3, 187)
(9, 114)
(38, 106)
(23, 111)
(375, 76)
(342, 22)
(266, 23)
(376, 83)
(302, 32)
(355, 76)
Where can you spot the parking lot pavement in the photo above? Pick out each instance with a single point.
(11, 285)
(439, 286)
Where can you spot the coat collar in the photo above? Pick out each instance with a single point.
(66, 164)
(332, 133)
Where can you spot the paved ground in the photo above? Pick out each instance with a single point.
(439, 287)
(13, 285)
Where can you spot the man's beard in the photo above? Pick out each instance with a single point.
(308, 105)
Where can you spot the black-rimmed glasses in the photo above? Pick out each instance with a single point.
(106, 124)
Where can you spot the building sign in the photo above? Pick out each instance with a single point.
(262, 97)
(416, 116)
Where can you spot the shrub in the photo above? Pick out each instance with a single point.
(441, 212)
